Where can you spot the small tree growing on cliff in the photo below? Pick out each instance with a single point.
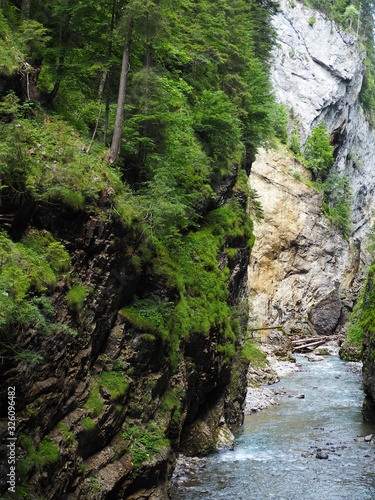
(318, 151)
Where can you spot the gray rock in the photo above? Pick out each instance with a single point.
(325, 315)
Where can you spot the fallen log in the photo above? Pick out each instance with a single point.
(311, 339)
(309, 345)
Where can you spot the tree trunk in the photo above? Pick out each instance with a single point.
(116, 140)
(25, 9)
(108, 80)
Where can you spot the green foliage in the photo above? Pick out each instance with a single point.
(115, 381)
(68, 436)
(217, 126)
(350, 15)
(88, 424)
(150, 314)
(279, 116)
(75, 298)
(362, 320)
(255, 206)
(251, 353)
(312, 21)
(10, 106)
(318, 151)
(46, 453)
(28, 270)
(336, 202)
(145, 442)
(355, 334)
(45, 160)
(295, 143)
(94, 402)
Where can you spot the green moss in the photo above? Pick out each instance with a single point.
(94, 402)
(75, 298)
(170, 402)
(88, 424)
(68, 436)
(116, 382)
(252, 354)
(150, 314)
(362, 320)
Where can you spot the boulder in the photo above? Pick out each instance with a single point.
(325, 315)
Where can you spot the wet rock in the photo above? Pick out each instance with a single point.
(368, 410)
(321, 455)
(224, 438)
(350, 352)
(329, 349)
(313, 358)
(260, 398)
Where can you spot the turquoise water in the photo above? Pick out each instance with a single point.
(268, 460)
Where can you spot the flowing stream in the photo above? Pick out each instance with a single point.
(276, 450)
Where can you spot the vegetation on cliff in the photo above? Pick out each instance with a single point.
(140, 128)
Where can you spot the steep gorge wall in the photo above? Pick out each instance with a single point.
(298, 258)
(302, 272)
(104, 413)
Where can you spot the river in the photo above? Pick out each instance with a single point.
(275, 455)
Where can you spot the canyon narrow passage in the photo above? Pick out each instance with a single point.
(278, 449)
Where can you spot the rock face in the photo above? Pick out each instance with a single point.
(104, 413)
(318, 72)
(299, 264)
(325, 315)
(302, 272)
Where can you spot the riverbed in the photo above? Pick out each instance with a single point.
(310, 447)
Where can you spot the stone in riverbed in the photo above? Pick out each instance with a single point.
(321, 454)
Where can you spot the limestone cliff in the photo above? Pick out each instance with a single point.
(298, 259)
(302, 272)
(318, 72)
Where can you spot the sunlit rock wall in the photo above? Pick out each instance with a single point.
(318, 72)
(300, 263)
(298, 258)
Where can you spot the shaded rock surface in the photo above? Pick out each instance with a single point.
(108, 397)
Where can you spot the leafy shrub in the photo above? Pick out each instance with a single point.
(336, 201)
(280, 122)
(318, 151)
(46, 453)
(28, 270)
(145, 442)
(295, 143)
